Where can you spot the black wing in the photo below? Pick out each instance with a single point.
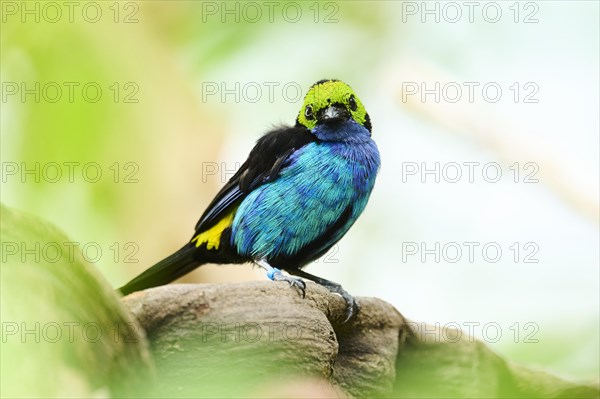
(263, 165)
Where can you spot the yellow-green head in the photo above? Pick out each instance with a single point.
(330, 101)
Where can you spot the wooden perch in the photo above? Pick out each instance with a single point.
(235, 339)
(264, 330)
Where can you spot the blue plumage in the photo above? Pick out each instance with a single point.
(300, 190)
(314, 188)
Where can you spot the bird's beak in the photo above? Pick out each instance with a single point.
(333, 113)
(330, 112)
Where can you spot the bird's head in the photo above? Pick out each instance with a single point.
(331, 103)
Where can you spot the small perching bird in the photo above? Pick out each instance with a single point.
(297, 194)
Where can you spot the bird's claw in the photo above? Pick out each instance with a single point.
(277, 275)
(352, 307)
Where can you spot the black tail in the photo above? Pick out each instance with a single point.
(171, 268)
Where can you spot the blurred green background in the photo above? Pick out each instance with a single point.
(121, 120)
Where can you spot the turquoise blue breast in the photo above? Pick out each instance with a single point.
(319, 183)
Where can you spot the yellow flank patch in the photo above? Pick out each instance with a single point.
(212, 236)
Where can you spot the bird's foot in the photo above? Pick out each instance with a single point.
(352, 307)
(277, 275)
(351, 304)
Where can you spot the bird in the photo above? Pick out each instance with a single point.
(298, 193)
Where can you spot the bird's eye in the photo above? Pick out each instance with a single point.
(352, 103)
(308, 112)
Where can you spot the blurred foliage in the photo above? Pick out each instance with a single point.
(62, 324)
